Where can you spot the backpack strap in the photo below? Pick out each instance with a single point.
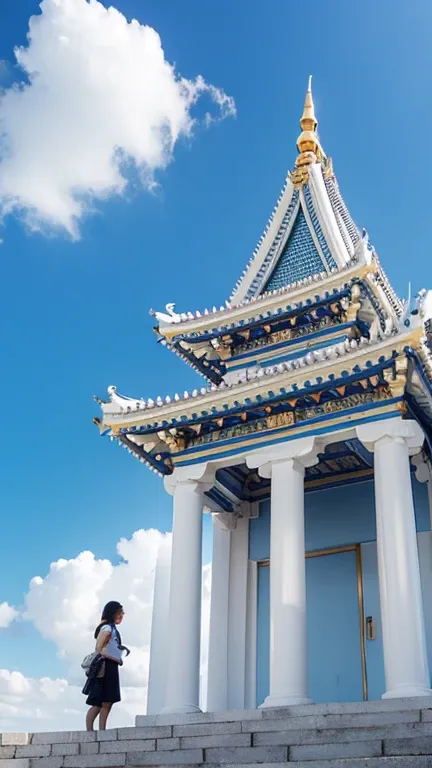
(117, 634)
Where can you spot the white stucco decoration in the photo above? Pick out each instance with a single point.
(167, 317)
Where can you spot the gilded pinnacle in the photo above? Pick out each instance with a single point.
(307, 143)
(308, 121)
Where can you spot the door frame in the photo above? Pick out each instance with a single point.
(360, 599)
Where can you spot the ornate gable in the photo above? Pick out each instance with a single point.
(310, 230)
(300, 257)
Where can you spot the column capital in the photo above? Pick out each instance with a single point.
(303, 452)
(199, 475)
(405, 430)
(225, 521)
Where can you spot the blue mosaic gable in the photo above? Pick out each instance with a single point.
(299, 258)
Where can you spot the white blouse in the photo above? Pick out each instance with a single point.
(112, 648)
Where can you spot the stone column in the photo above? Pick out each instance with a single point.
(251, 635)
(183, 659)
(288, 661)
(237, 614)
(217, 681)
(159, 630)
(402, 617)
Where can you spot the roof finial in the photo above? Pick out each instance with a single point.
(308, 139)
(307, 143)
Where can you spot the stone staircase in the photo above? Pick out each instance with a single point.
(384, 734)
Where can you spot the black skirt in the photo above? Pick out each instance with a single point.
(105, 690)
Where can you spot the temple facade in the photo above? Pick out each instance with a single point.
(309, 443)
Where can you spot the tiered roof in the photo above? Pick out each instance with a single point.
(312, 321)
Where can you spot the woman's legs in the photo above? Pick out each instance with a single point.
(106, 709)
(91, 717)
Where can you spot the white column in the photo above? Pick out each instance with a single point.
(402, 617)
(288, 660)
(217, 681)
(183, 659)
(237, 614)
(251, 635)
(288, 663)
(159, 630)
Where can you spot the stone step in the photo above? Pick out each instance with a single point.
(374, 762)
(368, 735)
(378, 762)
(349, 708)
(321, 722)
(340, 735)
(354, 708)
(288, 719)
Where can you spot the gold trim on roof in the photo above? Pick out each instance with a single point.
(307, 143)
(345, 420)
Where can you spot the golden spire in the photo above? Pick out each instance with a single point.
(307, 143)
(308, 121)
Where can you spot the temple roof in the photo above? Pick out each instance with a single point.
(309, 239)
(313, 328)
(155, 429)
(310, 230)
(303, 238)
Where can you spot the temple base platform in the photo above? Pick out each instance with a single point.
(395, 733)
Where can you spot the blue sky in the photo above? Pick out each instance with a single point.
(74, 315)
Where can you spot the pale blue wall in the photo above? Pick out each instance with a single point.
(333, 630)
(335, 518)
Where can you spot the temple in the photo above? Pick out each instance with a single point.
(309, 443)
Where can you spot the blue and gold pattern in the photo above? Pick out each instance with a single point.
(343, 462)
(288, 323)
(299, 258)
(274, 415)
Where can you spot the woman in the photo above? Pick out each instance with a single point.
(105, 691)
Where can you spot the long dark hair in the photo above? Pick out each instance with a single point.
(108, 616)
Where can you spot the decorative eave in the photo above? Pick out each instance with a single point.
(295, 297)
(210, 342)
(335, 380)
(214, 352)
(306, 371)
(128, 413)
(317, 287)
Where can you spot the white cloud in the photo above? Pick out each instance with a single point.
(98, 96)
(47, 704)
(65, 606)
(7, 615)
(27, 704)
